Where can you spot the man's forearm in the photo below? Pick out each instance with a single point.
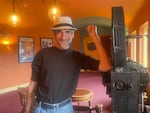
(104, 60)
(30, 97)
(28, 105)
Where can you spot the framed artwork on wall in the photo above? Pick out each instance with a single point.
(25, 49)
(46, 42)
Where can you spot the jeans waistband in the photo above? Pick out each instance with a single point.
(57, 105)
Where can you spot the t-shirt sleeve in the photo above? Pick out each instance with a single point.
(36, 66)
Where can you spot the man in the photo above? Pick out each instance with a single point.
(55, 70)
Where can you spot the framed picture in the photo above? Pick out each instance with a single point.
(46, 42)
(25, 49)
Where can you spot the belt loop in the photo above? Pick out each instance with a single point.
(40, 103)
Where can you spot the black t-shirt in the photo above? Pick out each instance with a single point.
(57, 72)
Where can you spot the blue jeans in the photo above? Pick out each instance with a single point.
(54, 108)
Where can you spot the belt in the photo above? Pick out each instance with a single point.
(57, 105)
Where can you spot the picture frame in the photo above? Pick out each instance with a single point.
(25, 49)
(46, 42)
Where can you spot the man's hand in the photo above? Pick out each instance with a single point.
(92, 30)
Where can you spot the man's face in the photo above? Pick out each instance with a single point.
(64, 38)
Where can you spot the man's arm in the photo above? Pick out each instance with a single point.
(104, 64)
(30, 96)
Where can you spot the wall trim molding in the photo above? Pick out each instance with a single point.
(6, 90)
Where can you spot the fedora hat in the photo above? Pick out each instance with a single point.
(63, 22)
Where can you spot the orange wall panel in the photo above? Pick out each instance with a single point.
(13, 73)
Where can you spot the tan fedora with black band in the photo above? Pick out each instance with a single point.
(63, 22)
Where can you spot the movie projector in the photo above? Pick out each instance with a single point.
(128, 79)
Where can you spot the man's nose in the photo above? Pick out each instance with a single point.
(62, 36)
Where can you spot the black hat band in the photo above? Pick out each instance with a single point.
(63, 24)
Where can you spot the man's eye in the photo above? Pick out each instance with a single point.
(68, 32)
(57, 32)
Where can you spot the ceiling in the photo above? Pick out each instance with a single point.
(34, 13)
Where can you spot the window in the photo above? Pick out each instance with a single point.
(133, 47)
(143, 44)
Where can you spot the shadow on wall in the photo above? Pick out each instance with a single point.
(80, 23)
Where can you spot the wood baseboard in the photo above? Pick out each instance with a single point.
(6, 90)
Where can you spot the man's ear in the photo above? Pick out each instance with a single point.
(72, 34)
